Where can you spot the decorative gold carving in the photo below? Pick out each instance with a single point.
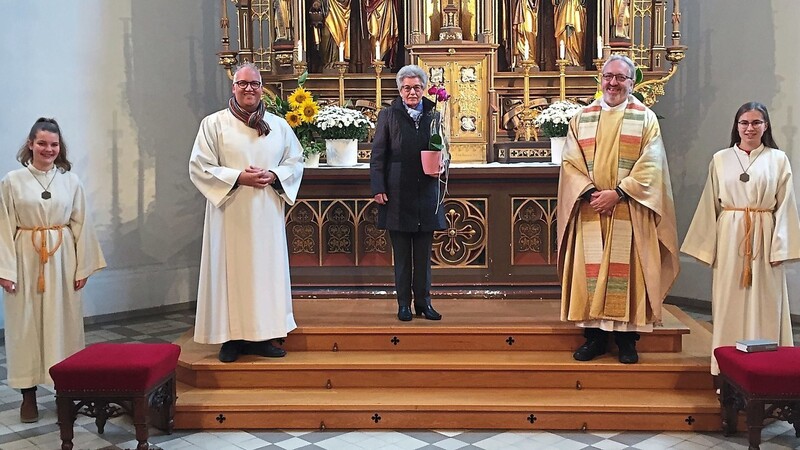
(529, 153)
(469, 152)
(339, 229)
(284, 59)
(533, 230)
(463, 243)
(301, 223)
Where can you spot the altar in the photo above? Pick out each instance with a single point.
(500, 239)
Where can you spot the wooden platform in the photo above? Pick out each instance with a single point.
(490, 364)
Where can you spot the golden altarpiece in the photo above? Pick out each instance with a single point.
(502, 61)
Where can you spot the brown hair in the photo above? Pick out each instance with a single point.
(25, 154)
(766, 138)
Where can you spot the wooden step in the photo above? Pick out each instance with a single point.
(456, 373)
(468, 325)
(447, 369)
(454, 408)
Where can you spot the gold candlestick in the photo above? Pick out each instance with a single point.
(562, 78)
(527, 114)
(300, 67)
(341, 66)
(378, 65)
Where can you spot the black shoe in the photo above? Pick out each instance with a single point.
(229, 352)
(595, 345)
(404, 313)
(626, 342)
(263, 348)
(428, 312)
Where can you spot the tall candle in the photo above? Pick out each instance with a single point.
(299, 51)
(377, 50)
(599, 47)
(562, 52)
(341, 52)
(527, 50)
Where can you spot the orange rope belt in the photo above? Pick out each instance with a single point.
(41, 248)
(747, 242)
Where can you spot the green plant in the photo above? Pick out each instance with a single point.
(300, 111)
(335, 122)
(554, 120)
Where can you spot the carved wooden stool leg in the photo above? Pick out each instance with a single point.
(101, 415)
(755, 422)
(729, 412)
(66, 420)
(140, 422)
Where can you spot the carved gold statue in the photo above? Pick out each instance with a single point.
(570, 25)
(469, 19)
(337, 22)
(525, 25)
(382, 23)
(621, 19)
(283, 20)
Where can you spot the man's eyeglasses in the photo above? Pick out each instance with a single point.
(408, 89)
(755, 123)
(243, 84)
(618, 76)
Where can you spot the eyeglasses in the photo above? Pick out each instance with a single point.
(618, 76)
(755, 123)
(243, 84)
(408, 89)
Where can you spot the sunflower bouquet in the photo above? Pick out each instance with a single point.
(300, 111)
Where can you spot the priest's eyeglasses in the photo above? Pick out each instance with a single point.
(243, 84)
(745, 124)
(618, 76)
(408, 89)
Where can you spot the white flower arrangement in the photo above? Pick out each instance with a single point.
(554, 120)
(335, 122)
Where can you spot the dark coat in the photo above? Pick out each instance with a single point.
(396, 169)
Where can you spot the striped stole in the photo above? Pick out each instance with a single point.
(608, 256)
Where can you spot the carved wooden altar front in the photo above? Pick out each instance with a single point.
(500, 239)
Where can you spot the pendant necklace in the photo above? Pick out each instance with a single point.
(46, 193)
(744, 177)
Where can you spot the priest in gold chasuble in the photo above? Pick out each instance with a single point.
(617, 239)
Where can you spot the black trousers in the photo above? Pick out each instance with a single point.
(412, 266)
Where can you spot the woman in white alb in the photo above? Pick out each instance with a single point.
(48, 249)
(745, 227)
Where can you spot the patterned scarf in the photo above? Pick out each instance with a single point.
(608, 256)
(415, 113)
(253, 120)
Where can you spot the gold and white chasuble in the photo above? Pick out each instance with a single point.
(616, 270)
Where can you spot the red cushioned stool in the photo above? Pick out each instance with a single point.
(763, 384)
(109, 380)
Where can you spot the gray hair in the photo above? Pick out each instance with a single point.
(411, 71)
(626, 60)
(246, 65)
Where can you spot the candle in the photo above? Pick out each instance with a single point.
(599, 47)
(377, 50)
(527, 51)
(341, 52)
(562, 51)
(299, 51)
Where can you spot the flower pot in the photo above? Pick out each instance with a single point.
(556, 149)
(312, 160)
(341, 152)
(432, 162)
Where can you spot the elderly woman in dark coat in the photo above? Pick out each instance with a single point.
(407, 198)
